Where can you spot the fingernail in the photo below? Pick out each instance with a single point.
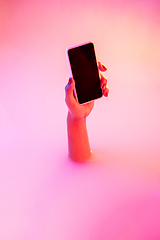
(70, 80)
(104, 67)
(107, 94)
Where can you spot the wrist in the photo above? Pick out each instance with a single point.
(70, 117)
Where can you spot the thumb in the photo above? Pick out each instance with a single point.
(69, 91)
(70, 86)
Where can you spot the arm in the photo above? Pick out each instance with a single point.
(78, 142)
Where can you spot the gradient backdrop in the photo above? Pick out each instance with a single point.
(43, 194)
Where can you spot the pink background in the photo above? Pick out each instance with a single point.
(43, 194)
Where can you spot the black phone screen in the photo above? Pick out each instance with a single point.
(85, 72)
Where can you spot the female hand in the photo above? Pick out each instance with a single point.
(77, 110)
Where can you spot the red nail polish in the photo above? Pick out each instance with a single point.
(106, 95)
(104, 68)
(70, 80)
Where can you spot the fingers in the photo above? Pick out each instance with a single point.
(105, 91)
(101, 67)
(103, 84)
(103, 81)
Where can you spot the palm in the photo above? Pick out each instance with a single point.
(80, 111)
(86, 108)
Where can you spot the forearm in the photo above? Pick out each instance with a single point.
(78, 142)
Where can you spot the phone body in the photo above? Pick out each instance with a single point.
(84, 70)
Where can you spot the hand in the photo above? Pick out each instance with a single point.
(76, 110)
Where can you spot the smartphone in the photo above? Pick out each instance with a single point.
(84, 70)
